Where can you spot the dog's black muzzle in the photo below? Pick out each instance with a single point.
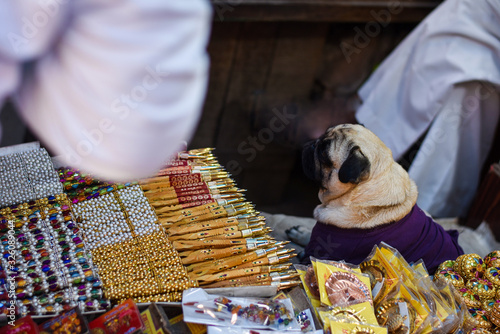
(309, 162)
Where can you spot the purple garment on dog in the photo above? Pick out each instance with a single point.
(416, 236)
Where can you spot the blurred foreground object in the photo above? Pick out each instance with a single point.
(113, 88)
(441, 82)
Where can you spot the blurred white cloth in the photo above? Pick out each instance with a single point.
(444, 78)
(113, 87)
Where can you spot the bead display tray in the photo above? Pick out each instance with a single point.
(45, 260)
(26, 173)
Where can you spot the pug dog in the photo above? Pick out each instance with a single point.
(367, 198)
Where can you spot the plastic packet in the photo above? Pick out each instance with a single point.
(359, 313)
(397, 260)
(449, 294)
(303, 316)
(305, 320)
(324, 318)
(383, 277)
(239, 330)
(202, 308)
(346, 327)
(443, 310)
(340, 287)
(420, 269)
(310, 283)
(339, 264)
(402, 311)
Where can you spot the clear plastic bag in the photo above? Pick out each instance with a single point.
(202, 308)
(383, 276)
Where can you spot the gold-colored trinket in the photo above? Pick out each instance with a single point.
(450, 276)
(487, 305)
(492, 259)
(480, 331)
(362, 330)
(483, 288)
(492, 274)
(470, 299)
(446, 265)
(346, 314)
(377, 274)
(495, 314)
(481, 316)
(389, 314)
(469, 266)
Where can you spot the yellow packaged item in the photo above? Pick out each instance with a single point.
(383, 276)
(362, 313)
(397, 260)
(402, 311)
(339, 287)
(324, 317)
(420, 269)
(456, 306)
(339, 264)
(353, 328)
(310, 283)
(446, 319)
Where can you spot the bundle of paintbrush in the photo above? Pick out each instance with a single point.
(221, 239)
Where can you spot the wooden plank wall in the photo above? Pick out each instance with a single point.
(256, 68)
(262, 70)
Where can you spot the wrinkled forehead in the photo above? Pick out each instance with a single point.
(338, 132)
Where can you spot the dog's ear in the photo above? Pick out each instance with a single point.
(355, 167)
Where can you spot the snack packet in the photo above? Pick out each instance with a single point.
(24, 325)
(71, 321)
(123, 318)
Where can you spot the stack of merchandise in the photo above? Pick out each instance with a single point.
(82, 187)
(131, 250)
(476, 283)
(384, 294)
(220, 237)
(45, 267)
(188, 226)
(27, 176)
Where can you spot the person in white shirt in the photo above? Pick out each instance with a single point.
(112, 87)
(442, 81)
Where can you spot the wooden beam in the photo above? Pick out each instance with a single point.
(320, 10)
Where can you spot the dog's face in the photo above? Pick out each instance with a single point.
(342, 158)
